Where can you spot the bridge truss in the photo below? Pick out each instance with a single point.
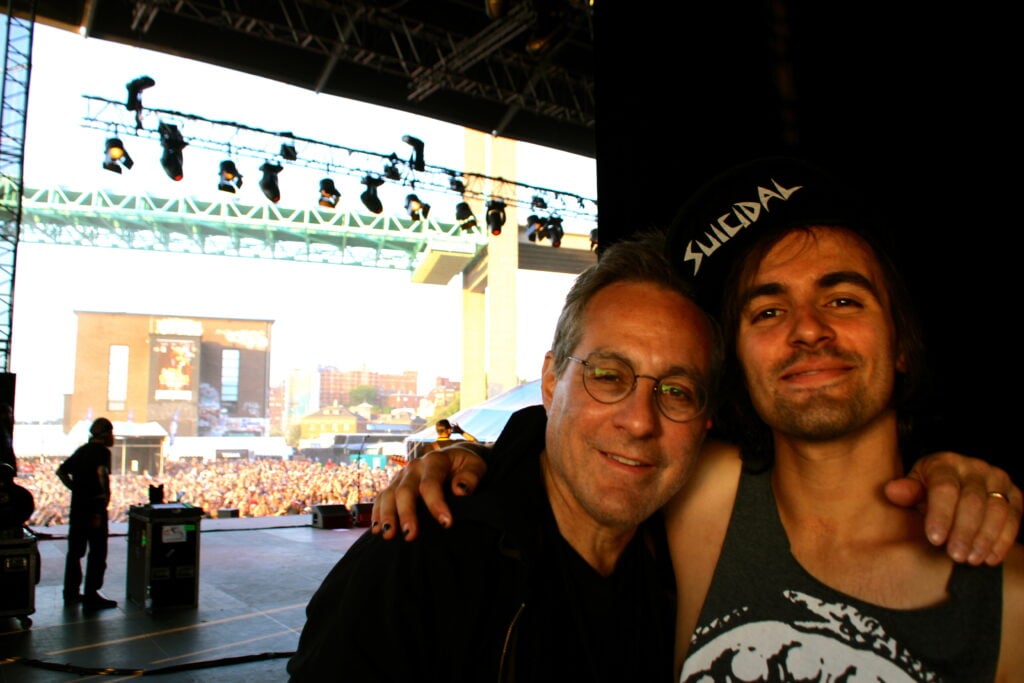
(186, 225)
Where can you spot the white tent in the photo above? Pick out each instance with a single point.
(485, 420)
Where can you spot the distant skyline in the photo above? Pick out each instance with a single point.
(348, 317)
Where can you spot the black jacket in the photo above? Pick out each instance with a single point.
(87, 473)
(494, 598)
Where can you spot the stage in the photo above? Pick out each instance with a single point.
(255, 577)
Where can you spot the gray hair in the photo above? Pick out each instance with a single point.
(638, 258)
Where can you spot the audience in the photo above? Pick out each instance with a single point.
(257, 488)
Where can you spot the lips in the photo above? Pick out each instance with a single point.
(805, 371)
(624, 460)
(816, 376)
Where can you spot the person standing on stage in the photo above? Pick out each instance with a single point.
(87, 473)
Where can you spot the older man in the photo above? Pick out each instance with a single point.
(557, 572)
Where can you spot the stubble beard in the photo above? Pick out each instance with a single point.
(822, 418)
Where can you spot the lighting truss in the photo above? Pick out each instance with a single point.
(227, 137)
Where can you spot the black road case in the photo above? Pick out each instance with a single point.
(19, 574)
(163, 555)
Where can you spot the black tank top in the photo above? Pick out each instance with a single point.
(766, 617)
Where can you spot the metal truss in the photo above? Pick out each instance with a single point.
(188, 226)
(13, 109)
(429, 52)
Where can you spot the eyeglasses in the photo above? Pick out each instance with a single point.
(609, 380)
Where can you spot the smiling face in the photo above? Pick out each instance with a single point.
(815, 336)
(613, 465)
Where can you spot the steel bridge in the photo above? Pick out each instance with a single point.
(431, 251)
(187, 225)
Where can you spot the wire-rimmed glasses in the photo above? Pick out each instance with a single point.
(607, 379)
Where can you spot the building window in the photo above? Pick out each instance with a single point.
(230, 360)
(117, 377)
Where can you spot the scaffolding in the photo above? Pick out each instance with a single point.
(18, 32)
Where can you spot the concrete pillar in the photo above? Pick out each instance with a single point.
(489, 295)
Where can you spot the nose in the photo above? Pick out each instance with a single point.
(809, 327)
(638, 413)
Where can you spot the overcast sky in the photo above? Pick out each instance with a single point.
(344, 316)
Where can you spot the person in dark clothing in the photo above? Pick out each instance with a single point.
(87, 473)
(16, 502)
(560, 569)
(445, 429)
(7, 437)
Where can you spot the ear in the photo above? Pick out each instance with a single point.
(901, 362)
(548, 379)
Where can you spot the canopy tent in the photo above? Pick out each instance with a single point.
(138, 446)
(484, 420)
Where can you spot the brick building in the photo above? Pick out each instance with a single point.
(336, 385)
(194, 376)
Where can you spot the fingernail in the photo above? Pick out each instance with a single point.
(445, 521)
(958, 551)
(405, 531)
(386, 527)
(373, 524)
(462, 487)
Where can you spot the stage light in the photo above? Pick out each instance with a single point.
(495, 8)
(229, 178)
(549, 29)
(116, 156)
(391, 171)
(369, 196)
(135, 88)
(134, 99)
(464, 216)
(417, 209)
(555, 231)
(416, 160)
(268, 183)
(593, 239)
(288, 152)
(495, 216)
(457, 184)
(538, 202)
(534, 227)
(538, 228)
(329, 194)
(172, 143)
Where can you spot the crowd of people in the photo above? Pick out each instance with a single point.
(256, 488)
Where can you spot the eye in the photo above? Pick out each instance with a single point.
(845, 302)
(609, 372)
(767, 313)
(677, 389)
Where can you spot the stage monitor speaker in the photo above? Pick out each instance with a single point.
(224, 513)
(331, 517)
(363, 514)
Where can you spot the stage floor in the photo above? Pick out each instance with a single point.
(255, 577)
